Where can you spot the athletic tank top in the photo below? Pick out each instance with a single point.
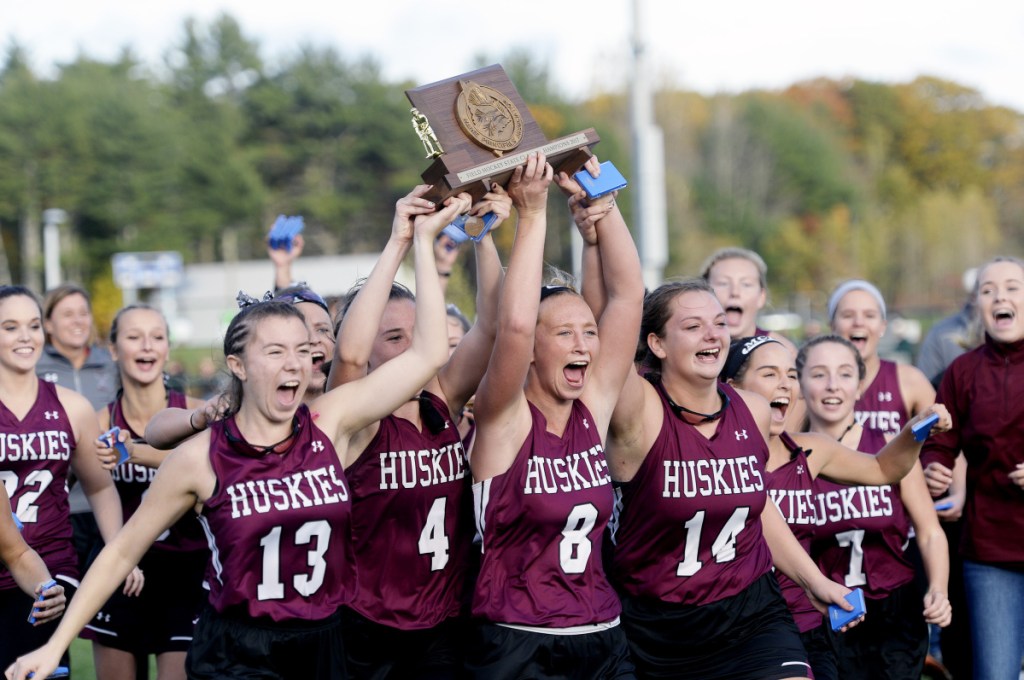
(279, 526)
(862, 531)
(35, 456)
(881, 408)
(132, 481)
(689, 529)
(543, 523)
(791, 487)
(412, 521)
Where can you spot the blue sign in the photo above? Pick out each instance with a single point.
(133, 271)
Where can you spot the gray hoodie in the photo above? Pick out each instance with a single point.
(96, 380)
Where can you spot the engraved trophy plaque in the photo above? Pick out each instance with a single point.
(477, 129)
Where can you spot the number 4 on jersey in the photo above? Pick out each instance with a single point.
(433, 540)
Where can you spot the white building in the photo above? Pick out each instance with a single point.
(204, 304)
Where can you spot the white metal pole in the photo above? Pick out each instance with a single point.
(52, 220)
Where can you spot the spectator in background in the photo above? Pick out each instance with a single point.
(175, 377)
(949, 337)
(210, 382)
(71, 358)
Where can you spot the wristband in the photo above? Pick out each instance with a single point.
(195, 429)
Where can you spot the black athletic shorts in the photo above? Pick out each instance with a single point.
(502, 653)
(820, 644)
(161, 618)
(376, 652)
(891, 641)
(747, 636)
(229, 647)
(19, 636)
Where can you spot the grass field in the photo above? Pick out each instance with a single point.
(81, 661)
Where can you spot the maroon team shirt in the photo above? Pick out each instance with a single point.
(984, 392)
(279, 526)
(132, 481)
(862, 531)
(412, 522)
(35, 457)
(791, 488)
(542, 523)
(881, 409)
(690, 527)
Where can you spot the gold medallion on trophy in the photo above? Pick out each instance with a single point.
(489, 117)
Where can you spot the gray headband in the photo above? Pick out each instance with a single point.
(854, 284)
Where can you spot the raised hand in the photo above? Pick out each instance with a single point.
(586, 212)
(431, 223)
(496, 201)
(529, 185)
(407, 209)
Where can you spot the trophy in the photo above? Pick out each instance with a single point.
(477, 129)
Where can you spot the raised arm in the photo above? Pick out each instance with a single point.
(612, 286)
(585, 215)
(359, 327)
(349, 408)
(461, 376)
(889, 466)
(501, 411)
(282, 258)
(619, 320)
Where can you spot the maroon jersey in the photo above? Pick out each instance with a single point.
(690, 526)
(279, 526)
(411, 522)
(132, 481)
(35, 456)
(791, 488)
(984, 392)
(862, 532)
(881, 408)
(542, 524)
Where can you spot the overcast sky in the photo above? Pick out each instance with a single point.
(709, 46)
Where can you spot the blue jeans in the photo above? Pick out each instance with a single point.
(995, 600)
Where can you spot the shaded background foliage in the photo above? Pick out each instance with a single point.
(905, 184)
